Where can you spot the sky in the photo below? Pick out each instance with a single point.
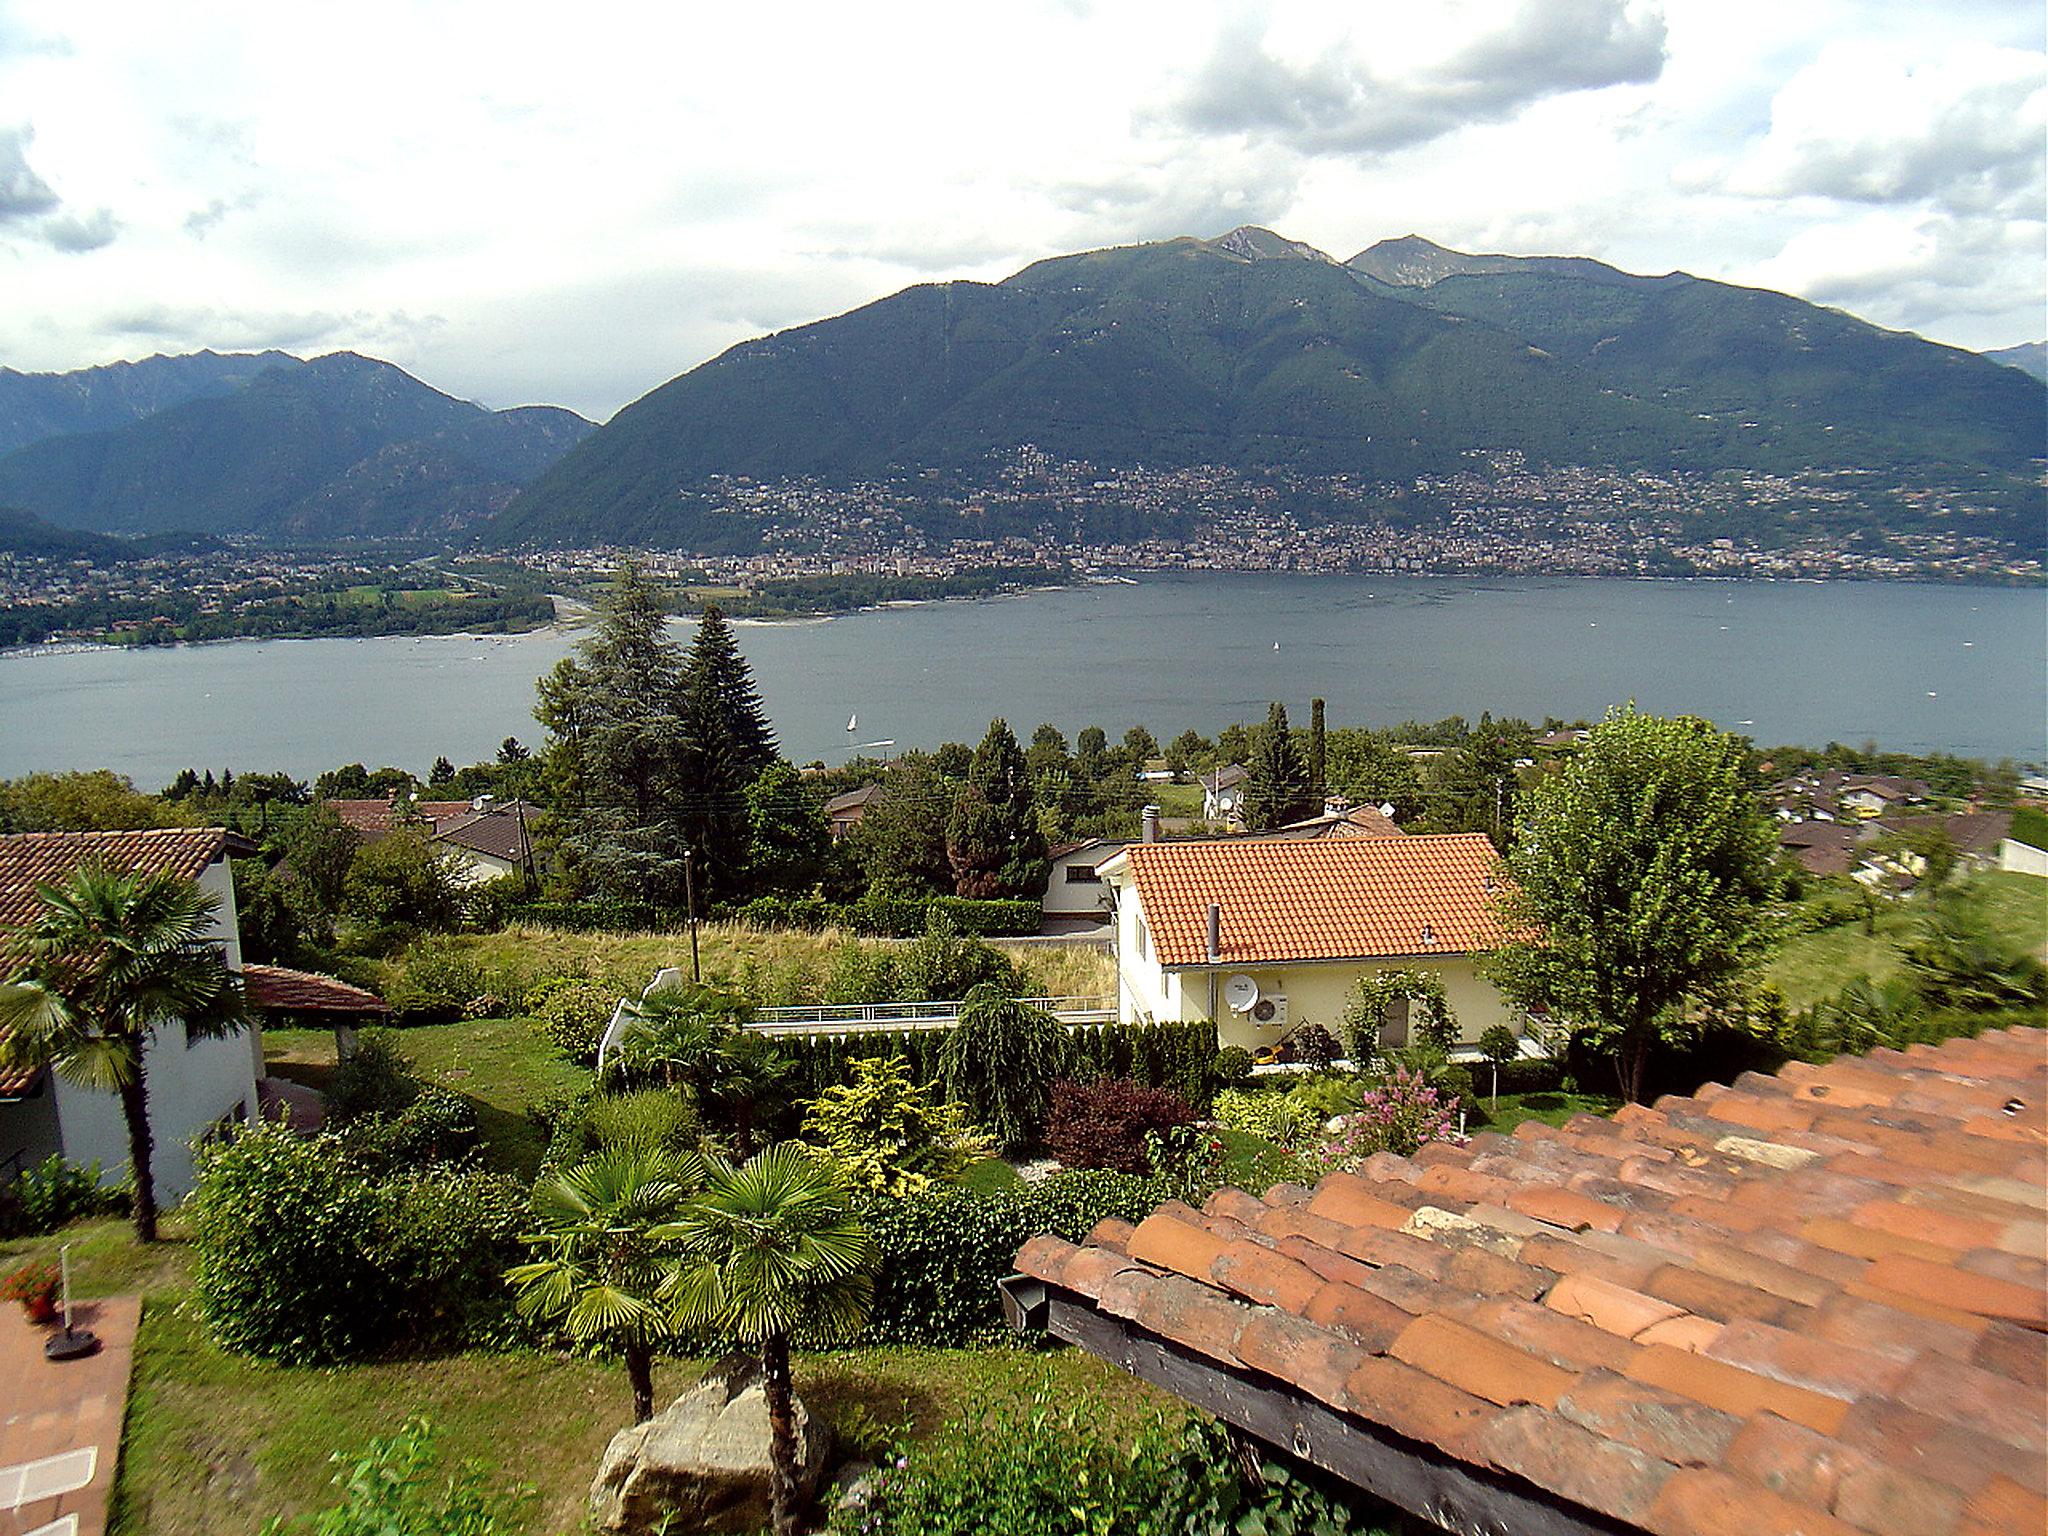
(524, 203)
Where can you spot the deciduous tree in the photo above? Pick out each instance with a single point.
(1641, 882)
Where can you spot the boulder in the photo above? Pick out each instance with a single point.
(701, 1464)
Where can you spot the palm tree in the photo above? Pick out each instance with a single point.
(768, 1249)
(691, 1037)
(114, 956)
(601, 1266)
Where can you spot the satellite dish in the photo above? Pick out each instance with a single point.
(1241, 992)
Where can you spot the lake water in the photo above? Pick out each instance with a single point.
(1917, 668)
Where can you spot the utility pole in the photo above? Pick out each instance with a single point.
(690, 896)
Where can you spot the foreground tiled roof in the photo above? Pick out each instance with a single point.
(1811, 1303)
(1320, 899)
(278, 989)
(32, 859)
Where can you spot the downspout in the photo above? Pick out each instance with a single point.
(1215, 953)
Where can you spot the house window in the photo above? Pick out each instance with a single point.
(1082, 874)
(1144, 946)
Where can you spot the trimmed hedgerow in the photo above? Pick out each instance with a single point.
(943, 1252)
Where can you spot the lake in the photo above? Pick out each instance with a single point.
(1914, 667)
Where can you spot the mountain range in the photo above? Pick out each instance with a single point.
(267, 444)
(2028, 357)
(1257, 352)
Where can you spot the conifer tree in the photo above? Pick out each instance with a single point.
(1276, 784)
(725, 706)
(1318, 783)
(993, 840)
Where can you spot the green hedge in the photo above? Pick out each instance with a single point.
(943, 1252)
(897, 917)
(586, 916)
(1179, 1055)
(1519, 1076)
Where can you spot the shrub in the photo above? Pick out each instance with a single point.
(645, 1120)
(1399, 1116)
(53, 1194)
(392, 1486)
(1233, 1066)
(944, 964)
(860, 973)
(375, 1078)
(1001, 1061)
(891, 1135)
(302, 1256)
(1325, 1095)
(488, 905)
(435, 983)
(943, 1251)
(436, 1127)
(1039, 1466)
(1104, 1123)
(402, 881)
(1177, 1054)
(573, 1016)
(1272, 1117)
(1315, 1045)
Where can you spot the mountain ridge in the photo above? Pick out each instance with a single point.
(1256, 352)
(334, 446)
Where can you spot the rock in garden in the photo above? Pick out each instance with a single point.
(701, 1464)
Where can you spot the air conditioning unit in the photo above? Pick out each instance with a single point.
(1270, 1011)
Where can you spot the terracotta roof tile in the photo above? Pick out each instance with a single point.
(287, 991)
(29, 860)
(1815, 1303)
(1327, 899)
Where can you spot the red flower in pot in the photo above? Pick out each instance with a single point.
(35, 1287)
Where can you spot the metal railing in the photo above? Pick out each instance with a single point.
(855, 1018)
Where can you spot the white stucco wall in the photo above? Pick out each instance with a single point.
(1076, 898)
(29, 1133)
(2023, 858)
(190, 1087)
(1317, 993)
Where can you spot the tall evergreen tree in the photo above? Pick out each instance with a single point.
(724, 703)
(620, 749)
(1276, 784)
(1318, 783)
(993, 840)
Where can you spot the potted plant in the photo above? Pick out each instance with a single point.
(34, 1285)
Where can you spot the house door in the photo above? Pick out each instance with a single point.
(1394, 1027)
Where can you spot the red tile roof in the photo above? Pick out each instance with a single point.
(275, 988)
(32, 859)
(1320, 899)
(1809, 1303)
(383, 815)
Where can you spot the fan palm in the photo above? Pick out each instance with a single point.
(600, 1267)
(694, 1037)
(768, 1249)
(113, 956)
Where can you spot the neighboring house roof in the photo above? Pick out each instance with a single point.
(275, 988)
(32, 859)
(1808, 1303)
(1360, 821)
(1064, 850)
(1971, 832)
(1822, 847)
(498, 831)
(383, 815)
(853, 801)
(1226, 777)
(1317, 899)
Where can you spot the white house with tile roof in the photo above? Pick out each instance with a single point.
(194, 1085)
(1261, 937)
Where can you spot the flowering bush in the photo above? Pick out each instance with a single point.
(1400, 1115)
(34, 1285)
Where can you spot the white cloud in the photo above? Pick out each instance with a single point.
(524, 211)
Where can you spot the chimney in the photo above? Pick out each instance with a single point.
(1215, 933)
(1149, 824)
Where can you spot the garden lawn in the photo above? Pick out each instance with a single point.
(502, 1066)
(1809, 967)
(216, 1443)
(1511, 1109)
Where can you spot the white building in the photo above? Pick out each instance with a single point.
(194, 1084)
(1262, 936)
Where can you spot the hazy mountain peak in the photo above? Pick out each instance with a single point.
(2028, 357)
(1250, 242)
(1412, 261)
